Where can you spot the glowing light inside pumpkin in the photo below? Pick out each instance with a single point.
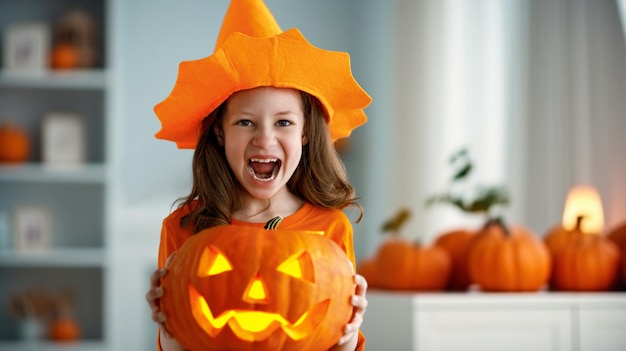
(213, 262)
(299, 266)
(253, 325)
(583, 201)
(256, 291)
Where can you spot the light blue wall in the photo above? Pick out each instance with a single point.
(155, 35)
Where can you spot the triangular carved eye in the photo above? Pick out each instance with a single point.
(213, 262)
(299, 266)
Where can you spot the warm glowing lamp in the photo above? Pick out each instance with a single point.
(583, 209)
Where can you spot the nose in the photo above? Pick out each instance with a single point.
(256, 292)
(264, 136)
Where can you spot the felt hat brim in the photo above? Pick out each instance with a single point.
(286, 60)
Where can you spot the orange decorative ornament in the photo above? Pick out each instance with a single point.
(456, 243)
(508, 259)
(245, 288)
(14, 144)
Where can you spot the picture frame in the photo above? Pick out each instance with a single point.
(32, 229)
(26, 47)
(63, 139)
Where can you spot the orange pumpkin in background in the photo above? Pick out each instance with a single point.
(404, 265)
(617, 235)
(582, 261)
(368, 268)
(14, 144)
(64, 329)
(507, 258)
(456, 242)
(243, 288)
(64, 56)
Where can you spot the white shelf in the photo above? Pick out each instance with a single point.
(34, 172)
(52, 346)
(551, 321)
(66, 257)
(74, 79)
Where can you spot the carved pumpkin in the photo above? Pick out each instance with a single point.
(456, 243)
(404, 265)
(243, 288)
(14, 144)
(508, 259)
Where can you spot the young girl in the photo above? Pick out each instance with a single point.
(265, 149)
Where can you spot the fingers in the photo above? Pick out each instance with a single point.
(169, 259)
(361, 284)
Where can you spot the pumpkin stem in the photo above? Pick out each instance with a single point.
(579, 222)
(273, 223)
(498, 221)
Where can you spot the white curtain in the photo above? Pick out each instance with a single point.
(577, 107)
(535, 90)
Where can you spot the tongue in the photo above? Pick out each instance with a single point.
(263, 169)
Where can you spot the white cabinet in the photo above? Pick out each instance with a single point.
(75, 198)
(485, 321)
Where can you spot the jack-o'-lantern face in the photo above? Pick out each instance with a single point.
(238, 286)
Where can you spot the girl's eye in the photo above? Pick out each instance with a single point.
(283, 123)
(244, 123)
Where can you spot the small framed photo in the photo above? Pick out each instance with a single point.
(32, 229)
(26, 47)
(63, 139)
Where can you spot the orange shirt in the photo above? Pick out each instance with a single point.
(334, 223)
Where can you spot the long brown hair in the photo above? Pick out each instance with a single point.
(320, 177)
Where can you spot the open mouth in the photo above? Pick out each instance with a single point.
(264, 170)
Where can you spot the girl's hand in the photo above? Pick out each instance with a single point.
(155, 293)
(350, 336)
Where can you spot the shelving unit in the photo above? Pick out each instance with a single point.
(75, 197)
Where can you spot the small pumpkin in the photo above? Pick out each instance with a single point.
(456, 242)
(404, 265)
(14, 144)
(617, 235)
(245, 288)
(368, 268)
(64, 329)
(507, 258)
(582, 261)
(64, 56)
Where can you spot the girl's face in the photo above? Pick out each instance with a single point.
(263, 134)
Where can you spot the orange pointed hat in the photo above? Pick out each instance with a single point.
(252, 51)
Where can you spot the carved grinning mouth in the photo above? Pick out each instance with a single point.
(253, 325)
(264, 170)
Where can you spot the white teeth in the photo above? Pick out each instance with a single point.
(263, 160)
